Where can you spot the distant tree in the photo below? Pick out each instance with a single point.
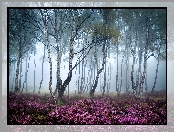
(21, 37)
(105, 33)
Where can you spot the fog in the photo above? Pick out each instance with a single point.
(76, 76)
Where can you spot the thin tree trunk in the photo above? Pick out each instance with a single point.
(78, 87)
(105, 18)
(82, 78)
(156, 70)
(26, 73)
(117, 85)
(127, 66)
(42, 71)
(132, 78)
(59, 81)
(49, 57)
(137, 81)
(22, 75)
(34, 74)
(139, 71)
(45, 21)
(91, 76)
(98, 73)
(13, 77)
(105, 54)
(146, 88)
(18, 63)
(19, 90)
(145, 58)
(121, 72)
(17, 71)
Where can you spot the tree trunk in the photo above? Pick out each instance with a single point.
(17, 71)
(13, 77)
(26, 73)
(117, 85)
(127, 68)
(139, 69)
(145, 58)
(82, 78)
(34, 74)
(71, 54)
(156, 69)
(45, 21)
(19, 90)
(59, 81)
(98, 73)
(42, 71)
(18, 63)
(78, 87)
(105, 54)
(121, 72)
(132, 78)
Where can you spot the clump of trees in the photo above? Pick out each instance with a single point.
(139, 33)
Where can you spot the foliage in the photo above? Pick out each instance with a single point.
(59, 102)
(30, 109)
(22, 34)
(108, 32)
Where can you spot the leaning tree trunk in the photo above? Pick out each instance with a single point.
(95, 82)
(156, 70)
(98, 72)
(105, 17)
(71, 54)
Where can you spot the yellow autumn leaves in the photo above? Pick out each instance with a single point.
(102, 30)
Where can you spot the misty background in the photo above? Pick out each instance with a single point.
(126, 42)
(31, 66)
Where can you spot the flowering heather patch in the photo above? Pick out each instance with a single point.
(125, 109)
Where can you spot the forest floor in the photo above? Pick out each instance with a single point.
(28, 108)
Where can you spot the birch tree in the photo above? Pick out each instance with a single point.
(21, 37)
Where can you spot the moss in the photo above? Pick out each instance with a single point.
(59, 102)
(38, 116)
